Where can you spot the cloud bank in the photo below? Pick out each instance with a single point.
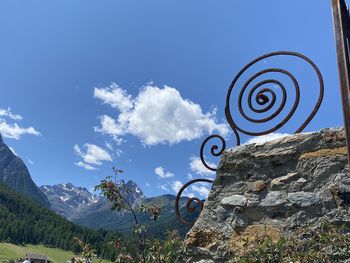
(155, 116)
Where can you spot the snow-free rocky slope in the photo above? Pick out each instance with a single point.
(14, 173)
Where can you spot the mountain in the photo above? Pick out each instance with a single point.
(14, 173)
(80, 206)
(77, 202)
(135, 195)
(123, 222)
(23, 221)
(69, 201)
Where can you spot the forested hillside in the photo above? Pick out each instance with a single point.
(104, 218)
(24, 221)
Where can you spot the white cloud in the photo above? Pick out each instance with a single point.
(197, 167)
(114, 96)
(266, 138)
(190, 195)
(14, 131)
(176, 186)
(163, 174)
(109, 126)
(118, 152)
(164, 187)
(156, 116)
(147, 184)
(109, 146)
(85, 166)
(201, 190)
(30, 162)
(94, 155)
(8, 113)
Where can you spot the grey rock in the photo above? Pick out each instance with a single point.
(234, 200)
(301, 181)
(302, 199)
(240, 219)
(275, 198)
(304, 179)
(283, 179)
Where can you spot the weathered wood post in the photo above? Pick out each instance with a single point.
(341, 24)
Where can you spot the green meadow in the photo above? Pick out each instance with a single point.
(11, 251)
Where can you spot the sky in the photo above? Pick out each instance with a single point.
(87, 85)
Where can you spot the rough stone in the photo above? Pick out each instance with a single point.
(283, 180)
(302, 199)
(302, 180)
(234, 200)
(273, 187)
(275, 198)
(256, 186)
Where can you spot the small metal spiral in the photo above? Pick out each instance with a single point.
(214, 149)
(190, 206)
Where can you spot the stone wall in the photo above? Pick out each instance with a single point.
(273, 188)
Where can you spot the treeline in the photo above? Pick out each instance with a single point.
(23, 221)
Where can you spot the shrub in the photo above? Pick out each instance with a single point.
(327, 243)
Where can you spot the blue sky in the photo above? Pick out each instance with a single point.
(70, 69)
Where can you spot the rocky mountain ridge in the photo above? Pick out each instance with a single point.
(14, 173)
(75, 203)
(87, 209)
(68, 200)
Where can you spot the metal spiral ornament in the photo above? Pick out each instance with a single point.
(191, 202)
(260, 100)
(267, 97)
(215, 150)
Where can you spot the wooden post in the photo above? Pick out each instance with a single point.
(341, 24)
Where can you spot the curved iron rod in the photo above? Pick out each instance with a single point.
(189, 208)
(265, 97)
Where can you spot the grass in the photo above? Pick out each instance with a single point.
(324, 152)
(11, 251)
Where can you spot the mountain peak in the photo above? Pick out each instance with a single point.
(67, 185)
(69, 200)
(14, 173)
(131, 185)
(75, 202)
